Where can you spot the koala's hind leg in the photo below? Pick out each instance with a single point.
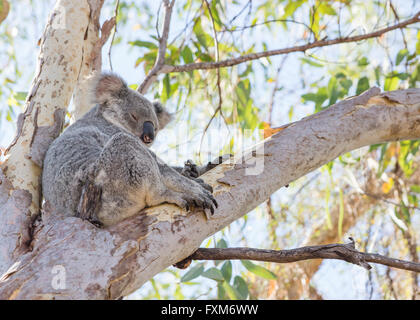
(89, 204)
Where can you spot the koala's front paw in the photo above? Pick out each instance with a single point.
(203, 184)
(190, 170)
(218, 161)
(200, 198)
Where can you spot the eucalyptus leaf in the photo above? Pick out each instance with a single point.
(227, 270)
(258, 270)
(241, 287)
(214, 274)
(193, 273)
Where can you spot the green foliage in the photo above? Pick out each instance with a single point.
(245, 108)
(144, 44)
(403, 53)
(362, 85)
(258, 270)
(227, 270)
(291, 7)
(214, 274)
(229, 286)
(406, 156)
(193, 273)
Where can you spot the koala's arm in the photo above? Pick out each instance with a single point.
(189, 185)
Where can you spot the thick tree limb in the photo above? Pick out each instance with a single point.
(301, 48)
(338, 251)
(110, 263)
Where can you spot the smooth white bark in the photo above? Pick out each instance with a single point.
(59, 62)
(63, 50)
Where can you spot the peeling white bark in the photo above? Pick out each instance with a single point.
(58, 67)
(59, 63)
(96, 37)
(110, 263)
(89, 64)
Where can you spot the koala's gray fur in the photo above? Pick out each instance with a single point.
(107, 148)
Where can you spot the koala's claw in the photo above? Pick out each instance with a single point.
(217, 161)
(202, 200)
(96, 223)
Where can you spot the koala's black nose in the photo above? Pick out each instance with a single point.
(148, 132)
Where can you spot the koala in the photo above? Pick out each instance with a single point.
(104, 158)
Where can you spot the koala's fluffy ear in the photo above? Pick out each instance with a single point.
(107, 87)
(163, 116)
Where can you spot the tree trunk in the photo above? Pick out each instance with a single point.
(63, 48)
(96, 37)
(57, 72)
(72, 259)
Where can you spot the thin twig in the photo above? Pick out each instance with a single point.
(219, 108)
(157, 21)
(257, 24)
(314, 10)
(301, 48)
(240, 12)
(113, 34)
(394, 11)
(273, 93)
(193, 20)
(346, 252)
(163, 40)
(216, 42)
(374, 196)
(219, 89)
(309, 181)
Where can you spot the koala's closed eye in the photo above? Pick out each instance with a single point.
(134, 117)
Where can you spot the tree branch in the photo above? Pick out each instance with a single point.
(118, 260)
(117, 5)
(346, 252)
(301, 48)
(163, 40)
